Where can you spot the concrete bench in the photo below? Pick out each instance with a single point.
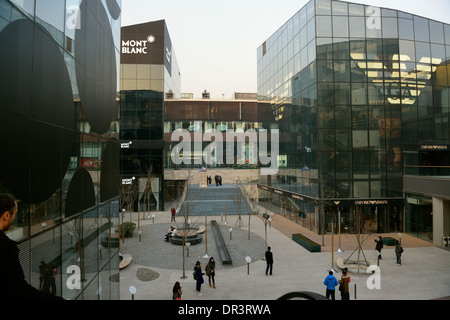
(201, 230)
(340, 264)
(221, 246)
(125, 261)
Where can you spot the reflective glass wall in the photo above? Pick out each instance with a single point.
(59, 128)
(359, 92)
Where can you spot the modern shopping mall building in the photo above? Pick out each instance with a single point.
(360, 95)
(59, 75)
(149, 76)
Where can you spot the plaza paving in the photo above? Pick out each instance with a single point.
(423, 275)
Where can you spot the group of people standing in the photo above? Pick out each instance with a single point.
(331, 282)
(210, 271)
(398, 249)
(47, 278)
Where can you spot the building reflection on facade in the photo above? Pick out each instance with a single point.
(362, 101)
(59, 124)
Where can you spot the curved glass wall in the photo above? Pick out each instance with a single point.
(59, 125)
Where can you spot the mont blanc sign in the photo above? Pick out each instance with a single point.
(137, 46)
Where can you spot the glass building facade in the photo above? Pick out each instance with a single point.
(60, 139)
(360, 95)
(149, 75)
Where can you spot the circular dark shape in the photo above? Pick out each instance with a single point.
(113, 8)
(96, 67)
(81, 193)
(110, 173)
(35, 86)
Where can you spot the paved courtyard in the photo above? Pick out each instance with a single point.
(423, 274)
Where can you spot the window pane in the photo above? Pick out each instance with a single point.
(357, 27)
(437, 53)
(359, 94)
(340, 26)
(407, 51)
(341, 48)
(436, 32)
(324, 26)
(423, 52)
(355, 10)
(324, 48)
(390, 28)
(342, 93)
(342, 70)
(421, 29)
(325, 95)
(405, 29)
(340, 8)
(323, 7)
(447, 35)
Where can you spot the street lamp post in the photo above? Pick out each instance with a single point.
(339, 225)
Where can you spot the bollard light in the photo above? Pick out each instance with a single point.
(248, 260)
(132, 291)
(187, 247)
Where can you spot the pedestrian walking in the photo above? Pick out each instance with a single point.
(53, 280)
(12, 279)
(398, 252)
(173, 213)
(198, 276)
(269, 261)
(42, 268)
(176, 291)
(330, 282)
(344, 285)
(210, 271)
(379, 245)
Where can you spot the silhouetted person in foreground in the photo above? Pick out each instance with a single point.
(12, 279)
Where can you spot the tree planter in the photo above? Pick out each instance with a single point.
(306, 243)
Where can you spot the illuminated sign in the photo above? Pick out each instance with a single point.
(371, 202)
(434, 147)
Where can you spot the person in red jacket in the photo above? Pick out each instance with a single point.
(12, 279)
(173, 212)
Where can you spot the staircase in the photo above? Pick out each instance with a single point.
(214, 201)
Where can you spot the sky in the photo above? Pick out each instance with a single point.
(215, 41)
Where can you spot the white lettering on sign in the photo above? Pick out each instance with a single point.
(137, 46)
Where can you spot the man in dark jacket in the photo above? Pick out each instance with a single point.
(12, 278)
(269, 261)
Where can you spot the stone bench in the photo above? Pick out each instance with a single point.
(221, 246)
(340, 264)
(125, 261)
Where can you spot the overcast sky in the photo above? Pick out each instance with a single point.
(215, 41)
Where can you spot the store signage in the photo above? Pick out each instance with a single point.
(434, 147)
(371, 202)
(137, 46)
(126, 145)
(128, 181)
